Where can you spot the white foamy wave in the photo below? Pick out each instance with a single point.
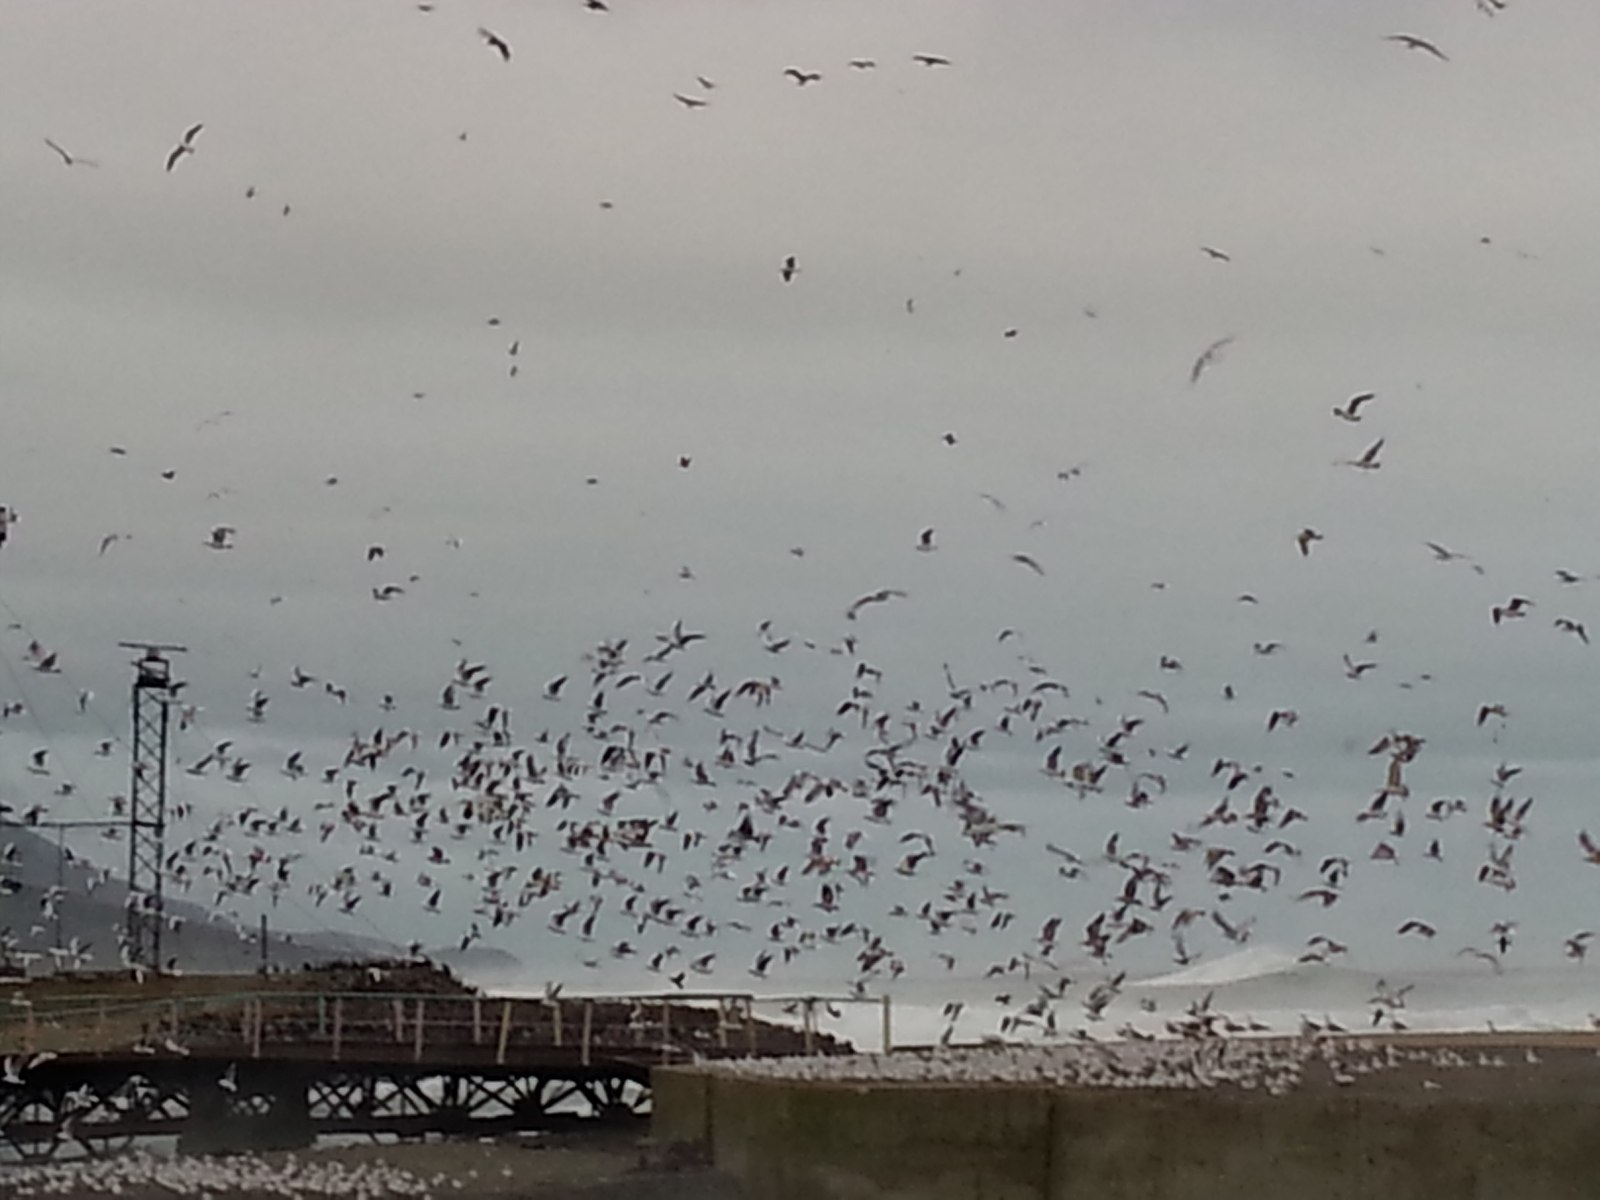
(1255, 962)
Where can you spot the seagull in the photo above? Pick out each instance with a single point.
(1208, 357)
(877, 597)
(1415, 43)
(1351, 409)
(496, 43)
(186, 146)
(1591, 852)
(925, 540)
(1368, 460)
(863, 64)
(1028, 561)
(221, 538)
(1568, 625)
(69, 159)
(1515, 607)
(931, 60)
(1305, 538)
(801, 78)
(689, 101)
(1219, 255)
(789, 269)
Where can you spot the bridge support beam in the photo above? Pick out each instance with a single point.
(264, 1108)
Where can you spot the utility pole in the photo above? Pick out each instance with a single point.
(153, 693)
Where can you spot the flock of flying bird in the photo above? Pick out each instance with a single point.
(690, 814)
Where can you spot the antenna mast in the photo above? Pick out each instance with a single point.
(153, 692)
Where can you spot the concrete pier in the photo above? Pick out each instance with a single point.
(1404, 1138)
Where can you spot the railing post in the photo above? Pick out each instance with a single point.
(888, 1030)
(556, 1022)
(255, 1038)
(722, 1023)
(809, 1023)
(322, 1015)
(750, 1024)
(588, 1027)
(338, 1025)
(477, 1020)
(417, 1021)
(666, 1031)
(505, 1033)
(399, 1007)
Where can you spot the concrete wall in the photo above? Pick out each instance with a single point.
(810, 1141)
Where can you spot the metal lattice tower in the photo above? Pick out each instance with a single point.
(147, 801)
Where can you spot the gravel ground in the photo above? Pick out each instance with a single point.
(581, 1167)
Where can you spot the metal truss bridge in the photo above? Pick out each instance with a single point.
(276, 1069)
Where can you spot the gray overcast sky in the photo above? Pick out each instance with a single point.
(1418, 228)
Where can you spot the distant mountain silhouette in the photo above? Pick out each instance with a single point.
(91, 910)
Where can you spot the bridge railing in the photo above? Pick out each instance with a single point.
(418, 1026)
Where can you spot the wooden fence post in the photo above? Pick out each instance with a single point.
(556, 1022)
(477, 1020)
(338, 1025)
(418, 1022)
(666, 1031)
(809, 1023)
(888, 1032)
(255, 1032)
(505, 1032)
(399, 1020)
(588, 1027)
